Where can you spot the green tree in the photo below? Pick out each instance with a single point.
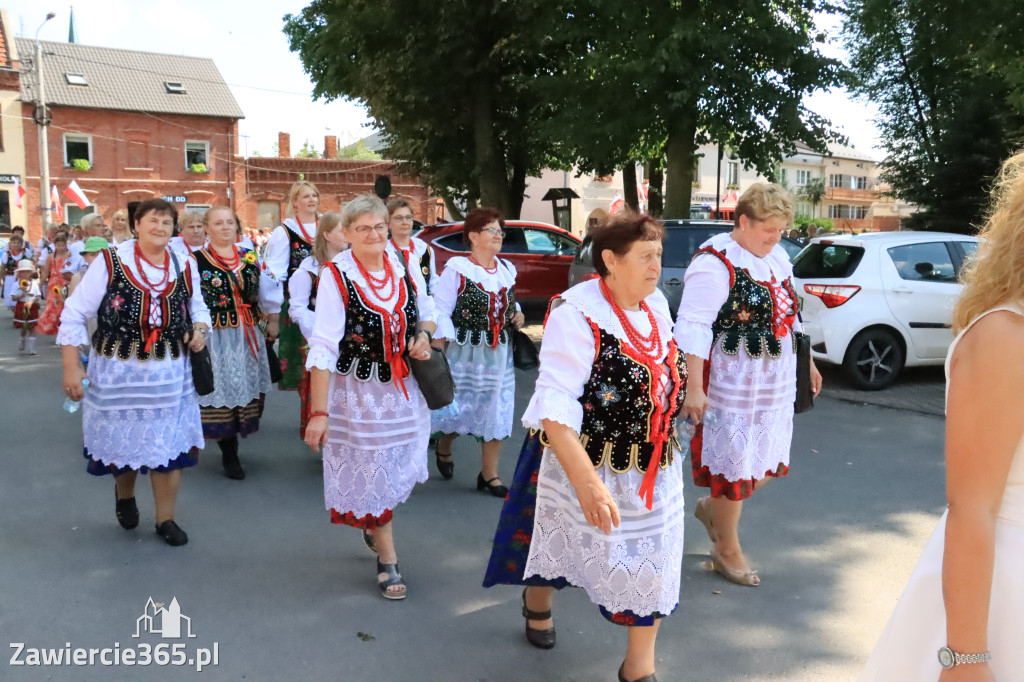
(307, 152)
(358, 150)
(948, 78)
(813, 192)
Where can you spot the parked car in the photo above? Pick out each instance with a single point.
(876, 303)
(541, 254)
(682, 239)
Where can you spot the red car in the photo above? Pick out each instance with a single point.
(541, 254)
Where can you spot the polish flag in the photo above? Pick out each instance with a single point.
(58, 213)
(618, 203)
(75, 193)
(19, 192)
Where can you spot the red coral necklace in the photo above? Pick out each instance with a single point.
(164, 285)
(648, 345)
(378, 284)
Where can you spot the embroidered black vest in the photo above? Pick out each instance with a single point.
(750, 315)
(11, 262)
(123, 316)
(221, 296)
(425, 267)
(367, 330)
(298, 250)
(482, 317)
(618, 413)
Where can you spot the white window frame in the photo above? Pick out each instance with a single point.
(206, 152)
(732, 173)
(803, 176)
(64, 146)
(198, 208)
(804, 208)
(88, 210)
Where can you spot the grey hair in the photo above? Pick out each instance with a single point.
(88, 220)
(364, 203)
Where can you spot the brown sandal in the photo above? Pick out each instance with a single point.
(747, 578)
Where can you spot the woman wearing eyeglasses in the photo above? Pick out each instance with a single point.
(415, 253)
(476, 313)
(367, 410)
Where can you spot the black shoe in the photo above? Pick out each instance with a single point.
(127, 512)
(645, 678)
(229, 458)
(445, 467)
(542, 639)
(496, 489)
(391, 578)
(172, 533)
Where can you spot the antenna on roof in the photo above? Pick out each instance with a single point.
(72, 28)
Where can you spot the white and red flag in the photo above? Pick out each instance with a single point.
(75, 193)
(19, 192)
(58, 213)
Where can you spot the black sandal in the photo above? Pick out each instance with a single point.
(645, 678)
(542, 639)
(393, 579)
(445, 468)
(127, 512)
(496, 489)
(368, 541)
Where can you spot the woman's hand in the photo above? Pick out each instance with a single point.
(73, 377)
(599, 509)
(316, 433)
(198, 340)
(695, 405)
(518, 320)
(439, 344)
(419, 346)
(815, 379)
(273, 328)
(974, 672)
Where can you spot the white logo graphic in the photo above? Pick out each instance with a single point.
(165, 622)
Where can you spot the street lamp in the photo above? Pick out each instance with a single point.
(42, 119)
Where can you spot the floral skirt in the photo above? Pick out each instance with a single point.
(225, 422)
(291, 351)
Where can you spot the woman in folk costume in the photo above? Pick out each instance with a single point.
(735, 325)
(961, 615)
(9, 259)
(291, 243)
(56, 286)
(414, 251)
(140, 412)
(368, 412)
(238, 300)
(476, 315)
(597, 497)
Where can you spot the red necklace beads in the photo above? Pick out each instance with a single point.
(302, 229)
(378, 284)
(225, 263)
(487, 270)
(164, 285)
(407, 254)
(648, 345)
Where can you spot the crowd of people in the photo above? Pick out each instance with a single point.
(351, 300)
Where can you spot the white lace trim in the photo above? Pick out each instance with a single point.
(72, 335)
(775, 263)
(292, 225)
(485, 391)
(695, 338)
(554, 405)
(493, 282)
(587, 298)
(321, 358)
(347, 265)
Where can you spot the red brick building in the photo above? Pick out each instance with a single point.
(129, 126)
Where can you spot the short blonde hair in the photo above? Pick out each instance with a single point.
(119, 213)
(364, 203)
(189, 217)
(214, 209)
(328, 222)
(766, 200)
(296, 190)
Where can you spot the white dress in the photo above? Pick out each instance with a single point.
(135, 413)
(419, 247)
(752, 397)
(376, 449)
(10, 281)
(638, 566)
(485, 380)
(908, 649)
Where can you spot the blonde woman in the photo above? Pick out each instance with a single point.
(737, 315)
(191, 233)
(962, 613)
(290, 243)
(120, 230)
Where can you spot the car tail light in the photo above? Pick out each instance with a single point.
(832, 295)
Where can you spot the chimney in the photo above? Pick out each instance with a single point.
(330, 146)
(284, 145)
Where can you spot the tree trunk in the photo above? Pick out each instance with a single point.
(629, 193)
(453, 210)
(680, 149)
(490, 162)
(516, 188)
(656, 180)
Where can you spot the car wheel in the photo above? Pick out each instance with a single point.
(873, 360)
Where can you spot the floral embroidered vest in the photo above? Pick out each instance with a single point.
(123, 316)
(369, 329)
(618, 411)
(480, 316)
(298, 250)
(757, 314)
(425, 267)
(11, 262)
(221, 296)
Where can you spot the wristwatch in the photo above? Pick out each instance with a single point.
(949, 658)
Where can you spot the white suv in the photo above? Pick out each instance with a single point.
(876, 303)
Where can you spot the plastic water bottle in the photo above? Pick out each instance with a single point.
(688, 428)
(71, 406)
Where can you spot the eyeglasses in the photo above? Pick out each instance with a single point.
(363, 230)
(493, 231)
(403, 218)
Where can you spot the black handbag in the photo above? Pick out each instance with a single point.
(275, 364)
(524, 353)
(202, 363)
(433, 375)
(804, 392)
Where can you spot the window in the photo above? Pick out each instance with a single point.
(803, 208)
(967, 250)
(682, 242)
(831, 261)
(198, 208)
(73, 215)
(927, 262)
(860, 182)
(548, 243)
(75, 79)
(5, 209)
(515, 241)
(783, 176)
(197, 152)
(452, 242)
(695, 179)
(848, 212)
(835, 180)
(802, 177)
(733, 173)
(174, 88)
(77, 147)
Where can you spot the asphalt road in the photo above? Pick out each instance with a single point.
(284, 595)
